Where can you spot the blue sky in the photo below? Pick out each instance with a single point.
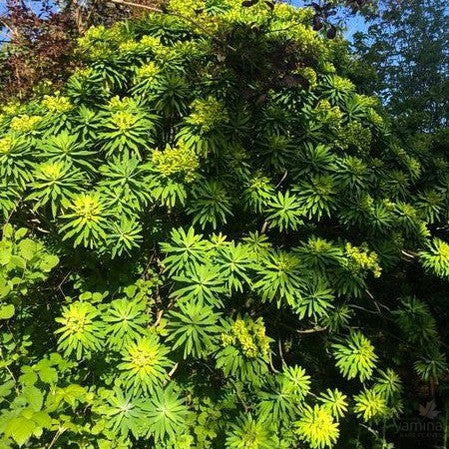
(355, 23)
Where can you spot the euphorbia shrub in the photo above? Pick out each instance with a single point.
(212, 240)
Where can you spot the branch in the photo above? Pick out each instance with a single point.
(175, 367)
(305, 331)
(374, 312)
(409, 254)
(137, 5)
(284, 176)
(60, 431)
(272, 366)
(281, 354)
(312, 331)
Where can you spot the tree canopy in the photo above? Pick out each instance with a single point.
(212, 239)
(407, 46)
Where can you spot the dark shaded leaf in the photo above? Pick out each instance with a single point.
(331, 32)
(317, 23)
(248, 3)
(295, 80)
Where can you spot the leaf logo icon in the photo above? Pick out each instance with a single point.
(429, 410)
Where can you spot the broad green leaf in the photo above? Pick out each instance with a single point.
(48, 374)
(34, 397)
(49, 262)
(6, 388)
(20, 429)
(7, 311)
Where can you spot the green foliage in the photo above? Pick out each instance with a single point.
(80, 330)
(416, 32)
(317, 427)
(249, 433)
(167, 414)
(355, 357)
(369, 405)
(202, 250)
(194, 327)
(144, 364)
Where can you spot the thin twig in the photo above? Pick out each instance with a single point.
(239, 396)
(9, 371)
(272, 366)
(266, 223)
(409, 254)
(281, 354)
(158, 318)
(312, 331)
(354, 306)
(284, 176)
(170, 374)
(60, 431)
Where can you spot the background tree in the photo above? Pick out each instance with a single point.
(408, 46)
(39, 36)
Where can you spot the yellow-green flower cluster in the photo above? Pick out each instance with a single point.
(98, 42)
(125, 104)
(366, 101)
(147, 72)
(6, 144)
(208, 113)
(77, 318)
(365, 203)
(250, 336)
(360, 258)
(93, 34)
(150, 42)
(123, 121)
(57, 104)
(25, 123)
(329, 115)
(129, 46)
(191, 48)
(11, 108)
(180, 159)
(187, 7)
(184, 442)
(80, 330)
(83, 72)
(308, 40)
(285, 12)
(413, 165)
(328, 67)
(87, 207)
(319, 246)
(52, 171)
(436, 257)
(147, 43)
(342, 85)
(355, 134)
